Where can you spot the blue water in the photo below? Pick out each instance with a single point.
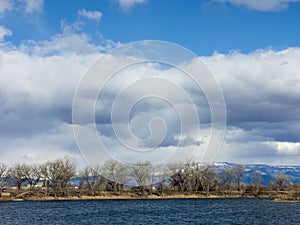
(166, 211)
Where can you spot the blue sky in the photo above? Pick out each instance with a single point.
(251, 47)
(202, 26)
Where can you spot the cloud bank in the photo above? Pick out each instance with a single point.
(261, 90)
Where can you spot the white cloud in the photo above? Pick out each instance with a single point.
(36, 96)
(72, 27)
(71, 40)
(92, 15)
(27, 6)
(262, 79)
(36, 99)
(4, 32)
(262, 92)
(288, 148)
(260, 153)
(262, 5)
(32, 6)
(128, 4)
(5, 5)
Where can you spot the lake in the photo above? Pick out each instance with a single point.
(160, 211)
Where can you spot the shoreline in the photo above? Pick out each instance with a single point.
(146, 197)
(124, 197)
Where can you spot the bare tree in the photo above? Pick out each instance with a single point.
(3, 173)
(92, 179)
(3, 169)
(33, 175)
(59, 172)
(86, 180)
(45, 175)
(280, 181)
(99, 182)
(52, 170)
(239, 171)
(257, 179)
(188, 176)
(116, 172)
(227, 176)
(122, 176)
(207, 177)
(142, 173)
(177, 175)
(110, 171)
(197, 174)
(162, 174)
(68, 170)
(19, 172)
(217, 183)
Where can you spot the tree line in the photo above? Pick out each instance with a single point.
(113, 176)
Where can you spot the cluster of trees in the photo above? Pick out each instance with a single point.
(113, 176)
(174, 176)
(56, 175)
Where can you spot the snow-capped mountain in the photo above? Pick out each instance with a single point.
(268, 171)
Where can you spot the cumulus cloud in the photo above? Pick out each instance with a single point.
(261, 91)
(92, 15)
(4, 32)
(267, 84)
(128, 4)
(261, 5)
(36, 96)
(5, 5)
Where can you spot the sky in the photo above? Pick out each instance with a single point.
(251, 47)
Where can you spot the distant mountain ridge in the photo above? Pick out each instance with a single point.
(268, 171)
